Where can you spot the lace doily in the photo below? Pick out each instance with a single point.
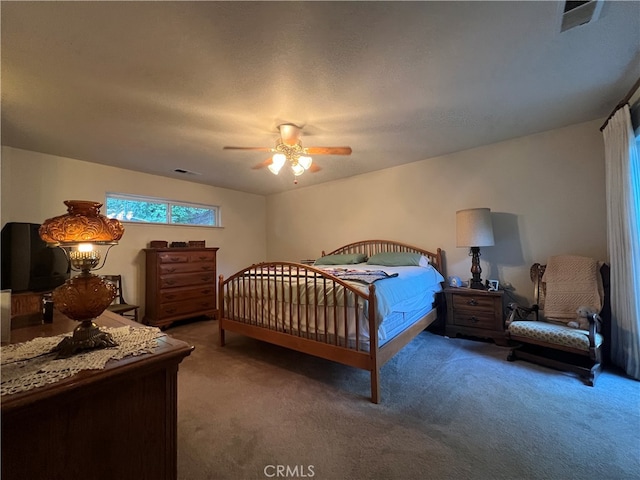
(31, 364)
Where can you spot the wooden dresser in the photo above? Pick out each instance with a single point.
(116, 423)
(181, 283)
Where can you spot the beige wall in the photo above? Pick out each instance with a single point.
(34, 185)
(546, 193)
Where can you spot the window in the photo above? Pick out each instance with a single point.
(138, 209)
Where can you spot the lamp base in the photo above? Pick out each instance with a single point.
(476, 281)
(477, 285)
(86, 336)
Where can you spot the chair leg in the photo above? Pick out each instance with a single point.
(592, 375)
(512, 356)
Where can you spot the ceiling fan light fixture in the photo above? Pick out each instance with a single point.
(297, 169)
(278, 160)
(273, 169)
(305, 161)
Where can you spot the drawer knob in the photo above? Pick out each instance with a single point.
(474, 319)
(473, 301)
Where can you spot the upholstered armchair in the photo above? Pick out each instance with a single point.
(541, 333)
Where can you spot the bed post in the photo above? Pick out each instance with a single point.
(220, 310)
(374, 366)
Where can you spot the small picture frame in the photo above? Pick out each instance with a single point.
(493, 285)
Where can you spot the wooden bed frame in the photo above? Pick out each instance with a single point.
(246, 318)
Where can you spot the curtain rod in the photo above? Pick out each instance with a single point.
(622, 102)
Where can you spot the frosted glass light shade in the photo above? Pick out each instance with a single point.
(273, 169)
(297, 169)
(305, 162)
(278, 160)
(474, 228)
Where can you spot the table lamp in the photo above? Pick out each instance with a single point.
(474, 229)
(81, 233)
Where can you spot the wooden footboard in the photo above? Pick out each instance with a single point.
(309, 310)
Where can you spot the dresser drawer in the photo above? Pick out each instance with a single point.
(185, 293)
(169, 268)
(202, 257)
(185, 279)
(173, 257)
(186, 306)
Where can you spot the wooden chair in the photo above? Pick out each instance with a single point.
(551, 342)
(119, 305)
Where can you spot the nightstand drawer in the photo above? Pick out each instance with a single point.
(475, 302)
(474, 318)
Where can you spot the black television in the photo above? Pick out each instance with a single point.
(28, 264)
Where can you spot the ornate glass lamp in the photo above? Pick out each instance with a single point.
(81, 233)
(474, 229)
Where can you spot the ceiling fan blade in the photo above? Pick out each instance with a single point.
(328, 150)
(314, 168)
(260, 165)
(261, 149)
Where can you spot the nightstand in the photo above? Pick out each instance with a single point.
(476, 313)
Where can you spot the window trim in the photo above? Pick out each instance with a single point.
(168, 202)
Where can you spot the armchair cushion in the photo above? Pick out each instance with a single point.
(554, 334)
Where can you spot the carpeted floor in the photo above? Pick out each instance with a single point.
(451, 409)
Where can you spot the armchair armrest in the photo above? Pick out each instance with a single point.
(594, 326)
(517, 312)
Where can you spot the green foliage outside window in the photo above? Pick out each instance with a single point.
(148, 210)
(192, 215)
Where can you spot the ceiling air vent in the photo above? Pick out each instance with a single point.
(578, 13)
(186, 172)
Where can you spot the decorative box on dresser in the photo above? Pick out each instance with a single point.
(181, 283)
(477, 313)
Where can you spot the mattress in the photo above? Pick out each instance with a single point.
(292, 302)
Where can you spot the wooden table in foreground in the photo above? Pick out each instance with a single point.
(116, 423)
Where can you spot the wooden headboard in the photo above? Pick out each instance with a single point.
(371, 247)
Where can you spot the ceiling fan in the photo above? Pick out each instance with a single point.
(289, 148)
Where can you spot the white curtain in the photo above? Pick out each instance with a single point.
(623, 224)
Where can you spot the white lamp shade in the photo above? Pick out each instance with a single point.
(474, 228)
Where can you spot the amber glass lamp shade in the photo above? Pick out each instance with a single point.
(85, 296)
(82, 223)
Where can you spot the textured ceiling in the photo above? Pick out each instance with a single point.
(155, 86)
